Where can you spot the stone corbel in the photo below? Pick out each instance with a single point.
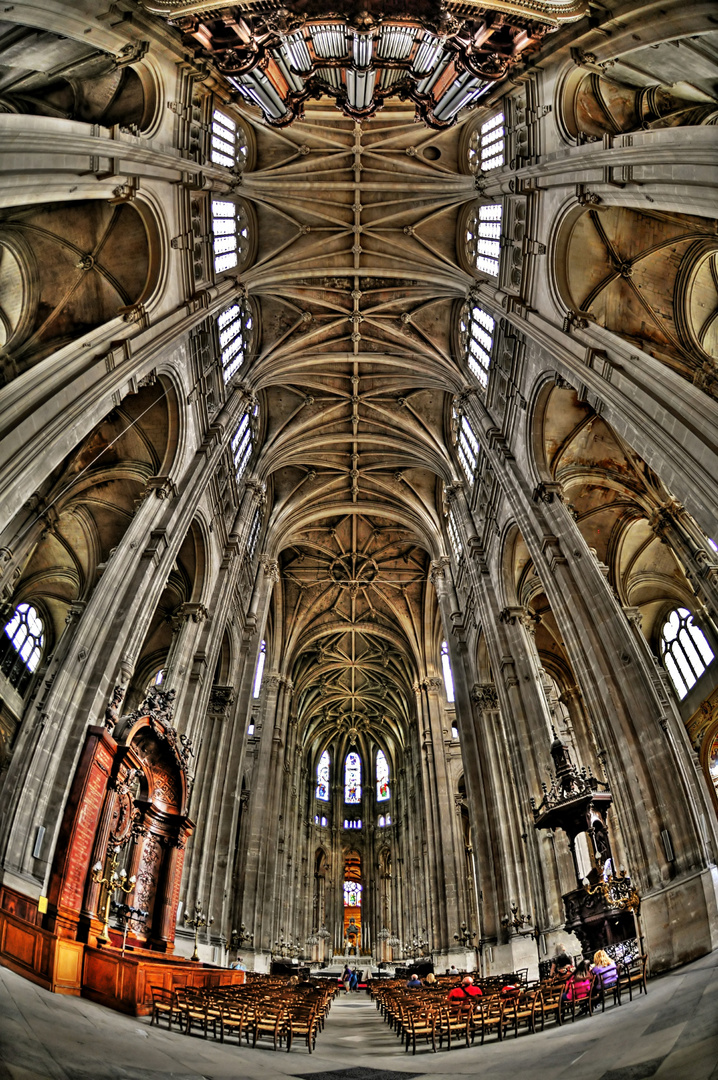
(131, 53)
(552, 550)
(163, 486)
(546, 491)
(271, 568)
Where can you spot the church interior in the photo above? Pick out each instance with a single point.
(358, 537)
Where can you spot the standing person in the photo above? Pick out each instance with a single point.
(354, 981)
(346, 977)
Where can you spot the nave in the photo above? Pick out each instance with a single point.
(670, 1034)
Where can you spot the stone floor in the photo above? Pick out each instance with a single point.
(670, 1034)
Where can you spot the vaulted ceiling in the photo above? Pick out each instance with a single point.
(358, 284)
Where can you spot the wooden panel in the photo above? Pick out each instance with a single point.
(19, 943)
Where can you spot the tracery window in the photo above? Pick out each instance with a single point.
(483, 238)
(468, 448)
(476, 329)
(446, 668)
(352, 778)
(456, 546)
(21, 646)
(486, 150)
(320, 819)
(229, 141)
(242, 445)
(230, 234)
(352, 894)
(260, 670)
(352, 823)
(384, 820)
(684, 650)
(322, 790)
(235, 327)
(383, 791)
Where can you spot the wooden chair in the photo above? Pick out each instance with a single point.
(233, 1021)
(551, 1005)
(633, 973)
(521, 1009)
(270, 1023)
(488, 1016)
(302, 1024)
(599, 992)
(164, 1003)
(454, 1020)
(421, 1025)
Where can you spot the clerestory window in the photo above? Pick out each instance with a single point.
(243, 444)
(257, 688)
(383, 791)
(476, 328)
(454, 538)
(467, 446)
(483, 238)
(235, 327)
(352, 778)
(21, 646)
(229, 141)
(684, 650)
(230, 234)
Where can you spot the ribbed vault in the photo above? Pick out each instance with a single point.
(357, 281)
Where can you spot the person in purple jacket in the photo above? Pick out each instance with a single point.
(605, 969)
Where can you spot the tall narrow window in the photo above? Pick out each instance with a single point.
(21, 646)
(468, 447)
(242, 445)
(352, 778)
(476, 331)
(260, 670)
(230, 234)
(483, 238)
(322, 791)
(684, 650)
(383, 791)
(456, 546)
(446, 668)
(235, 327)
(492, 143)
(224, 140)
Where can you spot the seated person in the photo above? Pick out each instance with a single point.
(430, 981)
(413, 982)
(562, 967)
(579, 985)
(605, 968)
(466, 990)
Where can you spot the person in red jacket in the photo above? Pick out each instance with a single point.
(466, 990)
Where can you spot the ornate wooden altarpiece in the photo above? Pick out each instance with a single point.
(130, 796)
(600, 911)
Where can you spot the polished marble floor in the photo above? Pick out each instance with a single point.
(670, 1034)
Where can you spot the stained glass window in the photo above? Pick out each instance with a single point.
(352, 778)
(352, 894)
(323, 777)
(382, 777)
(684, 650)
(446, 666)
(21, 646)
(260, 669)
(352, 823)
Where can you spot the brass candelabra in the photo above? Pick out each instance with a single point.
(110, 882)
(197, 921)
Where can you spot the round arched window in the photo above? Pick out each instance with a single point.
(482, 238)
(684, 650)
(21, 646)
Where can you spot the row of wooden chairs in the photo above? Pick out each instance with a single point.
(426, 1016)
(266, 1010)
